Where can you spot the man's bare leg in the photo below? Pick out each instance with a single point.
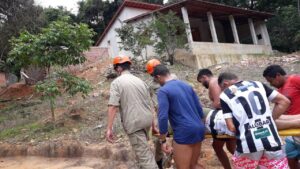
(231, 145)
(293, 163)
(195, 157)
(221, 154)
(182, 155)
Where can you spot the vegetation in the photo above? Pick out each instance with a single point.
(135, 39)
(285, 31)
(97, 14)
(166, 32)
(32, 130)
(53, 14)
(170, 30)
(59, 83)
(60, 44)
(15, 16)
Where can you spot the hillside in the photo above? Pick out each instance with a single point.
(26, 129)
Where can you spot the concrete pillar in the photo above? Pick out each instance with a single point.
(252, 30)
(188, 28)
(234, 30)
(212, 27)
(265, 34)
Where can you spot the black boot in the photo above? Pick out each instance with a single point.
(160, 164)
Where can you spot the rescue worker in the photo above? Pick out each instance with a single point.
(130, 95)
(153, 88)
(178, 102)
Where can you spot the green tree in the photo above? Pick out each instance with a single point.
(97, 14)
(285, 29)
(53, 14)
(135, 39)
(60, 44)
(60, 83)
(15, 16)
(169, 30)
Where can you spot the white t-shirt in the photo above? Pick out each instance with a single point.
(246, 102)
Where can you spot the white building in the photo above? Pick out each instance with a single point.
(128, 10)
(216, 33)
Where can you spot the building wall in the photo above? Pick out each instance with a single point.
(111, 39)
(262, 33)
(205, 54)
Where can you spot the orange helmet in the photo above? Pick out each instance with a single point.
(151, 65)
(120, 60)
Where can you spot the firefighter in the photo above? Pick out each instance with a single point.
(130, 95)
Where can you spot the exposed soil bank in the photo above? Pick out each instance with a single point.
(32, 162)
(118, 152)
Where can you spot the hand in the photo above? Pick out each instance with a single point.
(166, 148)
(155, 131)
(110, 137)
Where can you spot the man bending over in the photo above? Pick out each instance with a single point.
(288, 85)
(214, 120)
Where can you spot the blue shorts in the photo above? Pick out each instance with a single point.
(292, 148)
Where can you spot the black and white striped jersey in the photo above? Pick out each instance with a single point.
(246, 102)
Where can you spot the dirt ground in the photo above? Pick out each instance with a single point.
(24, 120)
(58, 163)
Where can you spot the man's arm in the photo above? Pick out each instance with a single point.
(230, 125)
(215, 91)
(113, 104)
(112, 110)
(163, 114)
(153, 98)
(281, 105)
(281, 102)
(227, 114)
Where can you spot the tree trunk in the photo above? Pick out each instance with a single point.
(52, 109)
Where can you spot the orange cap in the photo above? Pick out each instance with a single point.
(120, 60)
(151, 65)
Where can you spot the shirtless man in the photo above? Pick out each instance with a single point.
(205, 77)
